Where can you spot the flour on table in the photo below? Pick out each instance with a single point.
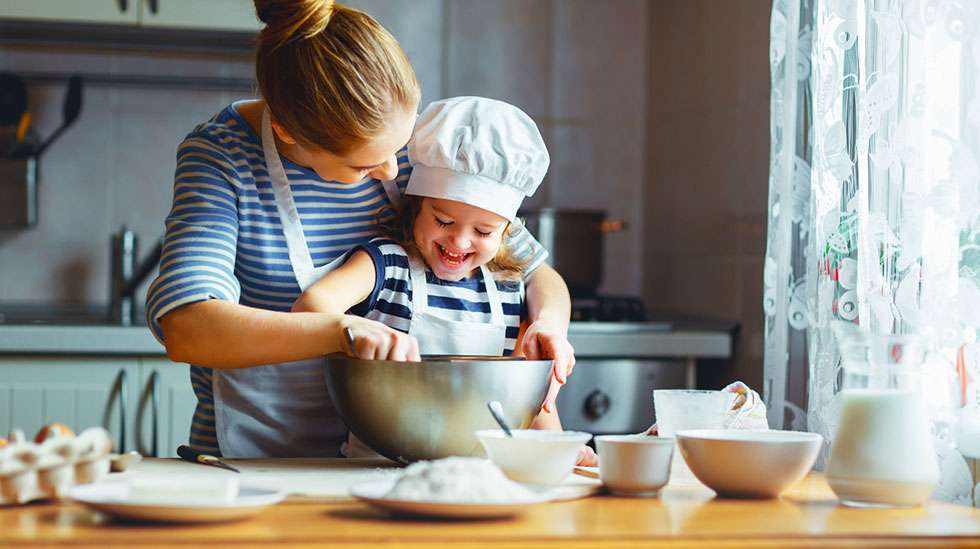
(458, 480)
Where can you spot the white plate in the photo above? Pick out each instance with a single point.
(374, 494)
(112, 498)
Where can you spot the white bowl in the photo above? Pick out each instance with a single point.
(533, 456)
(749, 464)
(634, 465)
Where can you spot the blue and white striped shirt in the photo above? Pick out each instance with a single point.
(465, 300)
(224, 239)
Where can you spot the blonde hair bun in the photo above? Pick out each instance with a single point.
(292, 20)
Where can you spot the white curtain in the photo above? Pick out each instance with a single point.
(874, 215)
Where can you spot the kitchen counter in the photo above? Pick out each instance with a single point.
(590, 339)
(686, 513)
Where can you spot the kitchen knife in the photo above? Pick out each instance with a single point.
(189, 454)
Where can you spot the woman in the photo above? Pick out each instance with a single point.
(268, 196)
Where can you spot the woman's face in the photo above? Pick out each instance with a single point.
(375, 159)
(455, 238)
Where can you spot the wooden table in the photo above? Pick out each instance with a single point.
(686, 513)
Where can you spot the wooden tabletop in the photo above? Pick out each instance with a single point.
(685, 513)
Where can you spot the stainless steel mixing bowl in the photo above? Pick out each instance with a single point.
(409, 411)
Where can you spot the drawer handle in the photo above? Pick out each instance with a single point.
(155, 411)
(119, 388)
(151, 393)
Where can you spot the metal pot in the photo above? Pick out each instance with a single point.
(574, 239)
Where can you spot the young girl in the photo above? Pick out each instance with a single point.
(269, 195)
(449, 278)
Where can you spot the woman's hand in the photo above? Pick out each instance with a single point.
(544, 340)
(374, 340)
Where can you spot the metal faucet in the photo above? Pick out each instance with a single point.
(126, 275)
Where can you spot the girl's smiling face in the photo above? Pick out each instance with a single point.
(455, 238)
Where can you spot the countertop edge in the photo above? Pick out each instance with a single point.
(137, 340)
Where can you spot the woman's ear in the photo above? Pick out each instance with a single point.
(282, 134)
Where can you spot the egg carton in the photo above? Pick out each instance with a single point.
(48, 469)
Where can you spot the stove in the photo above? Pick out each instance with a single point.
(608, 309)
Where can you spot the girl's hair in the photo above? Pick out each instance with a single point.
(505, 264)
(330, 74)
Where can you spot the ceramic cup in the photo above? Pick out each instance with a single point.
(634, 465)
(683, 409)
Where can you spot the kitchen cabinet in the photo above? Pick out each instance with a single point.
(222, 15)
(146, 403)
(165, 407)
(79, 392)
(230, 15)
(125, 12)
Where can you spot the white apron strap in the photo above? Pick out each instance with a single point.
(292, 228)
(420, 288)
(493, 296)
(394, 195)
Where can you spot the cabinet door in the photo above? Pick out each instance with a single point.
(87, 11)
(227, 15)
(79, 392)
(166, 407)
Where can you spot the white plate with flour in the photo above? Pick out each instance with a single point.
(375, 493)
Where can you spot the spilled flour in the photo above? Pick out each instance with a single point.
(458, 480)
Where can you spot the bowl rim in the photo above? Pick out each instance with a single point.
(442, 360)
(750, 436)
(558, 436)
(641, 439)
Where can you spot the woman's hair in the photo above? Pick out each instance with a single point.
(330, 74)
(505, 263)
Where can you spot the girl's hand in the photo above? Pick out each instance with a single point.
(540, 341)
(374, 340)
(587, 457)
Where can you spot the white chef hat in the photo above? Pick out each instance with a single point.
(480, 151)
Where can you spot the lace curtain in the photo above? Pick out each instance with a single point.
(874, 215)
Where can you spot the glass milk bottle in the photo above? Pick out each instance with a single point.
(882, 454)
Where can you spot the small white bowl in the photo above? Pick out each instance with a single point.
(749, 464)
(634, 465)
(534, 456)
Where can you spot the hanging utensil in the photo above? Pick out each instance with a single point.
(13, 98)
(13, 104)
(70, 110)
(23, 126)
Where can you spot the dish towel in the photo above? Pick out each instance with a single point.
(748, 410)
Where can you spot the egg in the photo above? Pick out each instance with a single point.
(52, 430)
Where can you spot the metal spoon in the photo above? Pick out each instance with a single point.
(350, 341)
(498, 414)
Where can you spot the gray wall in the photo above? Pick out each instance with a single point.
(577, 66)
(654, 110)
(708, 154)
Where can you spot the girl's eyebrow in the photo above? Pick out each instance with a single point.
(489, 226)
(435, 209)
